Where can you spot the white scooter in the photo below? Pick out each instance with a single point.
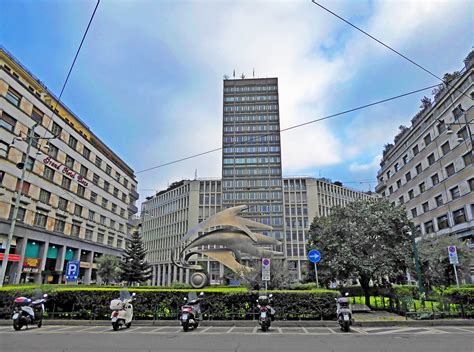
(122, 310)
(28, 311)
(344, 312)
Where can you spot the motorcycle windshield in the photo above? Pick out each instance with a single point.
(192, 296)
(124, 294)
(37, 294)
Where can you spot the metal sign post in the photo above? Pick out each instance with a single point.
(266, 271)
(316, 273)
(453, 259)
(314, 256)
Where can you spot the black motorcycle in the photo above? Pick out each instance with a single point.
(190, 314)
(266, 312)
(27, 311)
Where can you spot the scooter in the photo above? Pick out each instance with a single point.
(28, 311)
(191, 311)
(266, 313)
(122, 310)
(344, 312)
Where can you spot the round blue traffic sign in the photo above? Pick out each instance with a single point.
(314, 256)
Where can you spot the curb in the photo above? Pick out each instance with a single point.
(281, 323)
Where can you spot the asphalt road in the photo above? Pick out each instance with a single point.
(237, 339)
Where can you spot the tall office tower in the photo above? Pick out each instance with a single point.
(251, 154)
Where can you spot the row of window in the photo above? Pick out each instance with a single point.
(252, 139)
(251, 128)
(270, 88)
(296, 211)
(248, 171)
(443, 221)
(41, 221)
(250, 98)
(38, 116)
(271, 149)
(209, 186)
(250, 118)
(252, 195)
(243, 108)
(212, 199)
(252, 183)
(294, 185)
(262, 160)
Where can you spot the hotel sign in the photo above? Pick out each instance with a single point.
(31, 265)
(65, 170)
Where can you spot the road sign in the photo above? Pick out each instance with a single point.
(266, 269)
(453, 255)
(314, 256)
(72, 270)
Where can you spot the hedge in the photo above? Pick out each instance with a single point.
(75, 302)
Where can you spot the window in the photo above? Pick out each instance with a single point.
(56, 130)
(59, 225)
(401, 200)
(450, 169)
(81, 190)
(122, 211)
(75, 230)
(69, 162)
(390, 190)
(86, 153)
(106, 186)
(399, 183)
(20, 215)
(83, 171)
(415, 150)
(429, 227)
(93, 197)
(435, 179)
(419, 169)
(439, 200)
(396, 167)
(471, 184)
(29, 164)
(104, 202)
(121, 227)
(66, 182)
(77, 210)
(462, 133)
(124, 198)
(25, 188)
(88, 235)
(443, 222)
(48, 173)
(112, 223)
(427, 139)
(53, 151)
(91, 215)
(114, 208)
(108, 169)
(100, 237)
(445, 148)
(117, 176)
(457, 112)
(422, 187)
(116, 191)
(8, 122)
(40, 220)
(459, 216)
(37, 115)
(98, 162)
(44, 196)
(102, 220)
(431, 159)
(455, 192)
(62, 204)
(13, 96)
(410, 194)
(119, 242)
(4, 149)
(125, 182)
(95, 179)
(72, 142)
(414, 213)
(441, 126)
(388, 174)
(2, 174)
(405, 159)
(426, 207)
(408, 176)
(468, 158)
(110, 240)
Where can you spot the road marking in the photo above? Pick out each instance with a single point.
(280, 331)
(359, 330)
(87, 329)
(305, 330)
(332, 331)
(133, 329)
(203, 331)
(462, 329)
(230, 330)
(254, 331)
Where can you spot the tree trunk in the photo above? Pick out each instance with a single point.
(364, 283)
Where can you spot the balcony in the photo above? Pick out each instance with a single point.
(134, 194)
(132, 208)
(380, 187)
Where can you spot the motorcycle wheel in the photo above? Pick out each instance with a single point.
(196, 325)
(264, 327)
(115, 326)
(185, 327)
(40, 323)
(128, 325)
(346, 327)
(17, 325)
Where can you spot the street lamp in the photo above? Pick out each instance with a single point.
(421, 287)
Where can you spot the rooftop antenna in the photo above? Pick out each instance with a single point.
(234, 73)
(196, 174)
(253, 72)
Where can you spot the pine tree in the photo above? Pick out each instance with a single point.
(135, 269)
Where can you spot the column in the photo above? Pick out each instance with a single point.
(158, 275)
(187, 276)
(17, 273)
(170, 274)
(43, 256)
(88, 271)
(180, 275)
(175, 273)
(61, 258)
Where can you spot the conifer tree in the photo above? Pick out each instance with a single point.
(135, 269)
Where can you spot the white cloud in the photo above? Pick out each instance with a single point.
(372, 166)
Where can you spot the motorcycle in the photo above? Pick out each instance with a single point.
(191, 311)
(266, 313)
(344, 312)
(122, 310)
(28, 311)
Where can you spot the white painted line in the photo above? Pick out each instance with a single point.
(254, 331)
(230, 330)
(132, 329)
(305, 330)
(203, 331)
(360, 331)
(87, 329)
(462, 329)
(280, 331)
(332, 330)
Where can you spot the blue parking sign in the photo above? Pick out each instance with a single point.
(72, 270)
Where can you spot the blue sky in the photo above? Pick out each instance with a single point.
(148, 80)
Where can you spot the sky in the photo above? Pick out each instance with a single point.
(148, 80)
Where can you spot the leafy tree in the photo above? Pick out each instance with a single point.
(434, 260)
(108, 268)
(366, 240)
(425, 103)
(135, 269)
(280, 276)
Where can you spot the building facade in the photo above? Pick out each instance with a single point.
(251, 151)
(78, 196)
(430, 167)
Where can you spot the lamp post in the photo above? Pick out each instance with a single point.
(421, 287)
